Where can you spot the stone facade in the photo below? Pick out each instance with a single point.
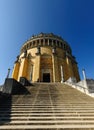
(41, 58)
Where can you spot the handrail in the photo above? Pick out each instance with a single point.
(81, 88)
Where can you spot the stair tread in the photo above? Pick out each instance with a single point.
(46, 126)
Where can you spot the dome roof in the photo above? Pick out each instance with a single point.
(45, 35)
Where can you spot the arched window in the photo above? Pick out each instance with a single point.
(33, 43)
(27, 46)
(41, 42)
(50, 42)
(30, 44)
(58, 43)
(64, 47)
(46, 42)
(37, 41)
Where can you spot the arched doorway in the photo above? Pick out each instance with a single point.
(46, 77)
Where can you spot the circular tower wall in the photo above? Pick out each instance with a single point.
(46, 58)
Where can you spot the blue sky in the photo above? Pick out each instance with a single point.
(71, 19)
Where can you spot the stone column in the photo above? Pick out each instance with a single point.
(8, 73)
(84, 74)
(85, 84)
(62, 76)
(48, 42)
(39, 42)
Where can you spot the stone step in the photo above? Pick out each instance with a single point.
(40, 112)
(51, 110)
(43, 115)
(50, 106)
(50, 122)
(47, 108)
(49, 127)
(47, 105)
(50, 117)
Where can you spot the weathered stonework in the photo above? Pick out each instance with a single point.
(41, 59)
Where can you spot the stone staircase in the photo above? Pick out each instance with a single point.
(48, 107)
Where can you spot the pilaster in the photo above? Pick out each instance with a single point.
(69, 67)
(25, 68)
(36, 73)
(55, 68)
(76, 73)
(16, 70)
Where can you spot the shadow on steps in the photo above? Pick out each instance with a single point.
(11, 87)
(5, 108)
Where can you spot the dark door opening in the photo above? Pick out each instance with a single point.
(46, 77)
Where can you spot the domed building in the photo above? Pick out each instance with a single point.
(45, 58)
